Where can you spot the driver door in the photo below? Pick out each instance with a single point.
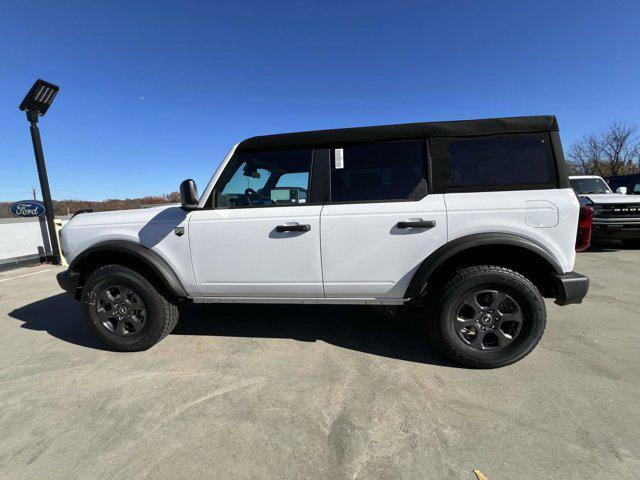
(262, 237)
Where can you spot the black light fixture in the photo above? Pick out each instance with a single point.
(36, 104)
(40, 97)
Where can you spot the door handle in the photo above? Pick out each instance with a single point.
(417, 224)
(293, 228)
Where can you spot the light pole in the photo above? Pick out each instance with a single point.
(36, 104)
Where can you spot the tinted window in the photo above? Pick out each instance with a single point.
(266, 179)
(493, 162)
(633, 185)
(589, 185)
(381, 171)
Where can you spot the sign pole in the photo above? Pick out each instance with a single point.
(32, 117)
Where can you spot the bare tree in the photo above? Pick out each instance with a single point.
(622, 148)
(586, 156)
(614, 151)
(173, 197)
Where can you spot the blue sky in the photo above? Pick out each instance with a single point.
(155, 92)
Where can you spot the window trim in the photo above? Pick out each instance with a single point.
(426, 157)
(320, 181)
(442, 167)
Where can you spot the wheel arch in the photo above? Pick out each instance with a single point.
(132, 255)
(504, 249)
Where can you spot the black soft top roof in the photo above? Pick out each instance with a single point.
(460, 128)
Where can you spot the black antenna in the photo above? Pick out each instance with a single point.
(36, 104)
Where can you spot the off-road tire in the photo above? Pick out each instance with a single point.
(161, 313)
(444, 302)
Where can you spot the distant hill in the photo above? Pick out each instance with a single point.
(65, 207)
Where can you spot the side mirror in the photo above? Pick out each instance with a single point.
(189, 194)
(622, 190)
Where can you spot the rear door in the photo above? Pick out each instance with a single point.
(381, 222)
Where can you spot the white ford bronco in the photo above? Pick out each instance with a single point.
(475, 220)
(616, 216)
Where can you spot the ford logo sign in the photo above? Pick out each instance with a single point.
(27, 208)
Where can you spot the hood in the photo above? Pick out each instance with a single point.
(122, 217)
(611, 198)
(146, 226)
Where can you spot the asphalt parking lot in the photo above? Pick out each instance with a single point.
(317, 392)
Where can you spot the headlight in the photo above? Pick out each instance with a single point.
(597, 209)
(586, 201)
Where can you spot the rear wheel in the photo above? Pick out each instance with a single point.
(488, 316)
(125, 310)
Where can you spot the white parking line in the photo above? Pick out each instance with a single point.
(24, 275)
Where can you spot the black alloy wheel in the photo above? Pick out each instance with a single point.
(121, 310)
(488, 319)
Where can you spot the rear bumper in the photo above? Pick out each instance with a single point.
(68, 281)
(571, 288)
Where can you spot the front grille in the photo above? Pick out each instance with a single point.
(621, 210)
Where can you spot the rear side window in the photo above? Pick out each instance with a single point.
(501, 162)
(378, 172)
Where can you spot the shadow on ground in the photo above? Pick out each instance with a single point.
(60, 316)
(358, 328)
(603, 246)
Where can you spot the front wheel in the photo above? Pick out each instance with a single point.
(488, 316)
(125, 310)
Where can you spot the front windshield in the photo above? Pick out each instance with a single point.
(589, 185)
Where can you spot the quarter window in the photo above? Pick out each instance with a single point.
(496, 162)
(378, 172)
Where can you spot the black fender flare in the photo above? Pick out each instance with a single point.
(147, 256)
(454, 247)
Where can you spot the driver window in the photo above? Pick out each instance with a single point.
(268, 178)
(240, 181)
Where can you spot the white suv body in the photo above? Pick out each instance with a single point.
(372, 215)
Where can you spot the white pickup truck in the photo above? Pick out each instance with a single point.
(473, 220)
